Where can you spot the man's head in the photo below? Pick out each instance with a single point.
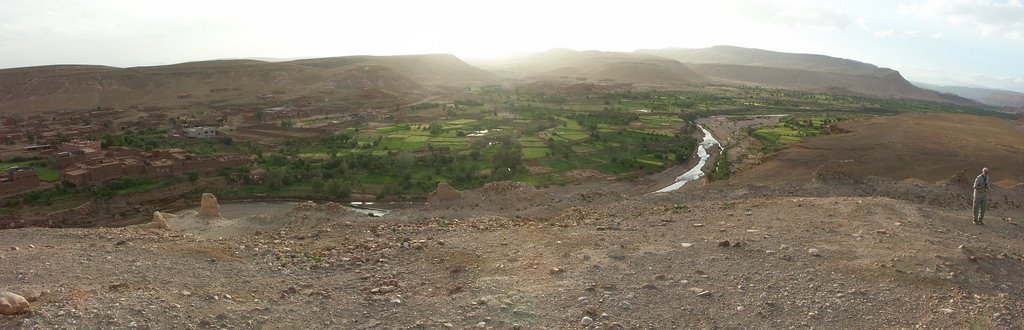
(984, 171)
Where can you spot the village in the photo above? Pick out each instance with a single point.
(70, 143)
(76, 143)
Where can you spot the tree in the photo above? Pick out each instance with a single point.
(509, 158)
(318, 186)
(277, 178)
(436, 128)
(62, 138)
(338, 188)
(406, 161)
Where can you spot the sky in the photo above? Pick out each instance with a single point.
(947, 42)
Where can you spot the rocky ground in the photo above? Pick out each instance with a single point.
(508, 256)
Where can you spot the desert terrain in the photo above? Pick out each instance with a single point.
(838, 195)
(917, 148)
(816, 245)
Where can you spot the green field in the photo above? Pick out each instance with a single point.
(793, 129)
(534, 153)
(462, 121)
(528, 127)
(43, 169)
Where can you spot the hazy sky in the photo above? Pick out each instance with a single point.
(964, 42)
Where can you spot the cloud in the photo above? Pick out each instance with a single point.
(793, 13)
(813, 17)
(987, 17)
(890, 32)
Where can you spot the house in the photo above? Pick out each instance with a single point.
(18, 179)
(124, 162)
(65, 159)
(86, 146)
(200, 132)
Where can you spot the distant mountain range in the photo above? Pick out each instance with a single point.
(722, 64)
(798, 71)
(383, 79)
(390, 80)
(597, 65)
(989, 96)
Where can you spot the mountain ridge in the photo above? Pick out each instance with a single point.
(402, 79)
(600, 65)
(798, 71)
(60, 87)
(990, 96)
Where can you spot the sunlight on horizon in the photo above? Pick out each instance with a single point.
(902, 34)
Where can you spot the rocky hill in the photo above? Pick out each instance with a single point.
(406, 78)
(597, 65)
(926, 148)
(799, 72)
(764, 58)
(427, 69)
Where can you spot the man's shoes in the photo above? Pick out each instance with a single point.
(977, 222)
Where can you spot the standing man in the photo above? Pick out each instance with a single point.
(980, 196)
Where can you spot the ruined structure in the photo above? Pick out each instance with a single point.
(208, 206)
(444, 192)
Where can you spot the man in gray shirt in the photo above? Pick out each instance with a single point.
(980, 196)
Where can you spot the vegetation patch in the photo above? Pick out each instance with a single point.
(792, 129)
(534, 153)
(42, 167)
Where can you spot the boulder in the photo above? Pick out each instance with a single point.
(12, 304)
(159, 221)
(208, 207)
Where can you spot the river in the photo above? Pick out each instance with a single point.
(698, 170)
(240, 209)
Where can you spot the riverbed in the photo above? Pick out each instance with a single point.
(698, 170)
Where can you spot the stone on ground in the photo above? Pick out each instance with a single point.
(13, 304)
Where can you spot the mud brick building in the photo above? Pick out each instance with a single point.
(18, 179)
(75, 152)
(130, 163)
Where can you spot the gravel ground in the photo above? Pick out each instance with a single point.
(507, 256)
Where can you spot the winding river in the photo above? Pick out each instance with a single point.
(697, 171)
